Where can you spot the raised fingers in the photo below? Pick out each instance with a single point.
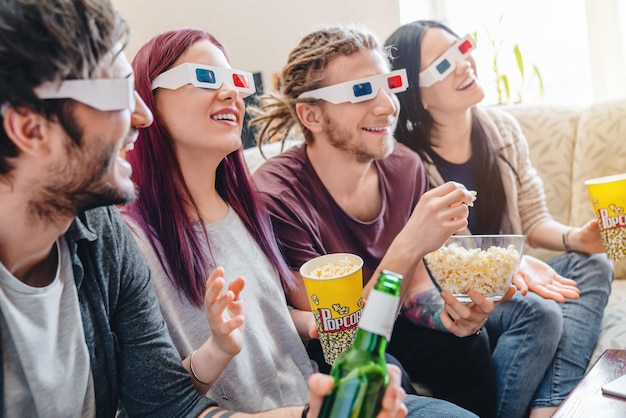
(214, 286)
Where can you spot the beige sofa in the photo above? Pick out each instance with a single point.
(568, 146)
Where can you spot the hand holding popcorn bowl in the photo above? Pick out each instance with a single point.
(485, 263)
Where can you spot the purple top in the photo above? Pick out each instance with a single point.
(308, 222)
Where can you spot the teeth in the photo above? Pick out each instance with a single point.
(376, 129)
(469, 81)
(225, 116)
(129, 147)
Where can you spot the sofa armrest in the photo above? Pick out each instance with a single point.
(600, 151)
(551, 134)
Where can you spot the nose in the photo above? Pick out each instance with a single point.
(462, 65)
(386, 103)
(228, 92)
(141, 116)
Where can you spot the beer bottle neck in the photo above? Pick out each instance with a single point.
(370, 342)
(379, 314)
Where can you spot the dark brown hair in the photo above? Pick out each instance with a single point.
(51, 41)
(415, 123)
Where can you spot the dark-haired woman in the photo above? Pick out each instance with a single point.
(540, 348)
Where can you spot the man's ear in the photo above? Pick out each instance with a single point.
(27, 129)
(310, 116)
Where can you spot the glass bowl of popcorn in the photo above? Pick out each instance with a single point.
(485, 263)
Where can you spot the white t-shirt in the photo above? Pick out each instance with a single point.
(47, 371)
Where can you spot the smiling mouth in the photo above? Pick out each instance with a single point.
(225, 116)
(376, 130)
(468, 83)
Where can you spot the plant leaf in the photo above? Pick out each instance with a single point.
(505, 83)
(539, 77)
(519, 59)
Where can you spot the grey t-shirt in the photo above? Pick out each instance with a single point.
(46, 362)
(272, 367)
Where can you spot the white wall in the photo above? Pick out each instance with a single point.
(258, 34)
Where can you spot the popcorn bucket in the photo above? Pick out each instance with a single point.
(334, 283)
(608, 197)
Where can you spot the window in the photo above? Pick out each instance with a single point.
(577, 45)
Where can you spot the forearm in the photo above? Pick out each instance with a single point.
(549, 235)
(303, 320)
(298, 296)
(424, 309)
(401, 258)
(209, 363)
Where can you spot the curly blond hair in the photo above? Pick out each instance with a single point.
(304, 71)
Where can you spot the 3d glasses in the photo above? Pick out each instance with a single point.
(360, 90)
(100, 93)
(206, 77)
(446, 63)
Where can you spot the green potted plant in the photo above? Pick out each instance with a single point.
(509, 88)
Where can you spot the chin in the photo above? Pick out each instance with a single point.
(118, 193)
(125, 193)
(387, 147)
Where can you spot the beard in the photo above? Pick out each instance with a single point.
(80, 184)
(342, 139)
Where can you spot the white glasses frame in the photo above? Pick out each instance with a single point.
(445, 64)
(104, 94)
(369, 86)
(189, 73)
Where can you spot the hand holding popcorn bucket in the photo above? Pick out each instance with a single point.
(608, 197)
(334, 283)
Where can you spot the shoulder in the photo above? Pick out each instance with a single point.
(282, 170)
(404, 155)
(99, 224)
(403, 161)
(500, 118)
(105, 235)
(135, 228)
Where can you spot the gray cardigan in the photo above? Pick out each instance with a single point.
(132, 356)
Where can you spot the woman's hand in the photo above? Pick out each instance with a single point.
(392, 404)
(225, 315)
(538, 277)
(464, 319)
(587, 238)
(224, 311)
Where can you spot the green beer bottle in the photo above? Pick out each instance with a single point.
(360, 373)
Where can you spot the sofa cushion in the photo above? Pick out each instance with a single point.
(253, 155)
(551, 135)
(600, 151)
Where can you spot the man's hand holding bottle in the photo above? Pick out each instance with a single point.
(392, 404)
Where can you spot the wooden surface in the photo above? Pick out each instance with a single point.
(587, 399)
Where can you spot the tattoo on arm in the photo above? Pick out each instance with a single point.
(424, 309)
